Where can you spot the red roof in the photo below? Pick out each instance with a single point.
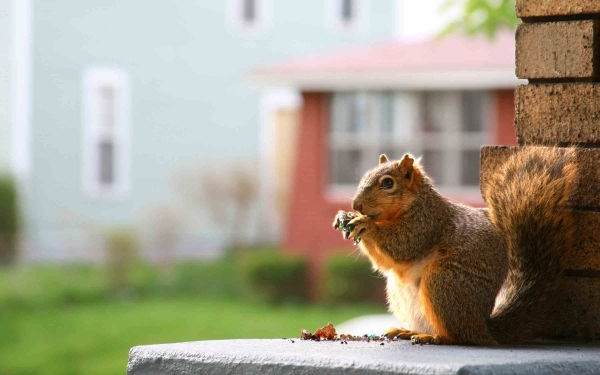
(448, 55)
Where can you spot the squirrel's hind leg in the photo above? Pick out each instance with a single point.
(401, 333)
(457, 307)
(423, 339)
(414, 337)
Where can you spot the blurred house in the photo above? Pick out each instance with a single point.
(439, 99)
(106, 102)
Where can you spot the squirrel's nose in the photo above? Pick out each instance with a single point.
(357, 206)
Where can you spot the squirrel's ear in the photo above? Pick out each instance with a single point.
(406, 166)
(383, 159)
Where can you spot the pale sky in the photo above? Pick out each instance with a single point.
(421, 18)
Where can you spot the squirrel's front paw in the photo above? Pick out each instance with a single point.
(360, 224)
(341, 222)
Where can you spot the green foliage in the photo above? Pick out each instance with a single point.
(350, 279)
(480, 16)
(9, 213)
(200, 278)
(9, 220)
(218, 279)
(275, 277)
(145, 279)
(51, 286)
(35, 287)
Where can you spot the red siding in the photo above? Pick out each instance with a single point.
(505, 118)
(308, 229)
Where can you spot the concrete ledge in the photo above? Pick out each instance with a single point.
(301, 357)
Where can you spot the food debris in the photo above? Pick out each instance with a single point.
(307, 335)
(328, 333)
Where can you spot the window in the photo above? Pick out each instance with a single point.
(248, 15)
(347, 15)
(360, 130)
(446, 128)
(249, 11)
(347, 11)
(106, 132)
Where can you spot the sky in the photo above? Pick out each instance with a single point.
(421, 18)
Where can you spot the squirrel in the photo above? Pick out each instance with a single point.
(462, 275)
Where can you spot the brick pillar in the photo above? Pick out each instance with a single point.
(558, 51)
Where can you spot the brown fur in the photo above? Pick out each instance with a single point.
(539, 231)
(447, 262)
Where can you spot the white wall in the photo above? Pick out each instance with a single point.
(5, 69)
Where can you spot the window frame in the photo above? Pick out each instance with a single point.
(95, 80)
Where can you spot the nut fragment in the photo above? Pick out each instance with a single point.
(327, 332)
(307, 335)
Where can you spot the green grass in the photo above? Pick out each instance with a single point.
(70, 319)
(94, 338)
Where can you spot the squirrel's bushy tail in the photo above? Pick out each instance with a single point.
(527, 199)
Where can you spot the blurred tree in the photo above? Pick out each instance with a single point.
(9, 220)
(225, 196)
(163, 226)
(480, 16)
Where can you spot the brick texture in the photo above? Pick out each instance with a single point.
(575, 308)
(550, 50)
(586, 250)
(550, 8)
(586, 190)
(563, 114)
(553, 114)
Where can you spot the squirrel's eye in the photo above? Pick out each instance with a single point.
(387, 183)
